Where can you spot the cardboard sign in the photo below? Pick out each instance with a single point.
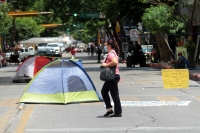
(175, 78)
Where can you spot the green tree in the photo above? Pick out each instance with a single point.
(187, 18)
(160, 21)
(27, 27)
(24, 27)
(114, 10)
(4, 19)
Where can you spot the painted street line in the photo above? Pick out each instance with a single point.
(153, 103)
(113, 129)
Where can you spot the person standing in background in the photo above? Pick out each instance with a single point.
(88, 50)
(92, 49)
(99, 52)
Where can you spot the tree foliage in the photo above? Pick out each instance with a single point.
(27, 27)
(5, 21)
(160, 19)
(63, 10)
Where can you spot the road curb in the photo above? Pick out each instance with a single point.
(192, 76)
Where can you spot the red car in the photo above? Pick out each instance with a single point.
(77, 49)
(68, 49)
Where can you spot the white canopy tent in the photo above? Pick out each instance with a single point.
(36, 40)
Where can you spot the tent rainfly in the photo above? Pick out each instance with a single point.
(26, 71)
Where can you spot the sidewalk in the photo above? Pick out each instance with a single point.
(194, 73)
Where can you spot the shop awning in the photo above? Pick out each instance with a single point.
(36, 40)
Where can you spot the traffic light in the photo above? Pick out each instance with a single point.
(74, 25)
(75, 14)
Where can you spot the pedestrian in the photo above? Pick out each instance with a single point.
(99, 52)
(137, 51)
(112, 86)
(72, 52)
(92, 49)
(181, 62)
(88, 50)
(16, 56)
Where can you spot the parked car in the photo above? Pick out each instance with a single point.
(9, 52)
(81, 48)
(147, 49)
(62, 46)
(24, 53)
(53, 48)
(41, 46)
(149, 52)
(77, 49)
(67, 49)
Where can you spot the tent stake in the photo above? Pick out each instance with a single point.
(21, 106)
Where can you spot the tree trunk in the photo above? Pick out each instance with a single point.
(14, 31)
(108, 32)
(165, 51)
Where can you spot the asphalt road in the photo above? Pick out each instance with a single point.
(147, 106)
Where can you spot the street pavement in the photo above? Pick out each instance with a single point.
(147, 106)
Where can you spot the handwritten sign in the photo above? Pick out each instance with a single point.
(175, 78)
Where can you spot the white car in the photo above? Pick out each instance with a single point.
(41, 46)
(53, 48)
(62, 46)
(9, 53)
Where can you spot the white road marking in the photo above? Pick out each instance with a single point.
(153, 103)
(113, 129)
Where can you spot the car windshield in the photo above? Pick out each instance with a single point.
(52, 45)
(147, 48)
(10, 50)
(42, 44)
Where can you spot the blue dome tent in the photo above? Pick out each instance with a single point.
(60, 81)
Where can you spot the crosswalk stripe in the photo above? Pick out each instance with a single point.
(168, 98)
(198, 97)
(9, 102)
(129, 98)
(153, 103)
(24, 119)
(6, 118)
(92, 103)
(117, 129)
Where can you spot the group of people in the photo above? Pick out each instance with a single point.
(92, 49)
(137, 56)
